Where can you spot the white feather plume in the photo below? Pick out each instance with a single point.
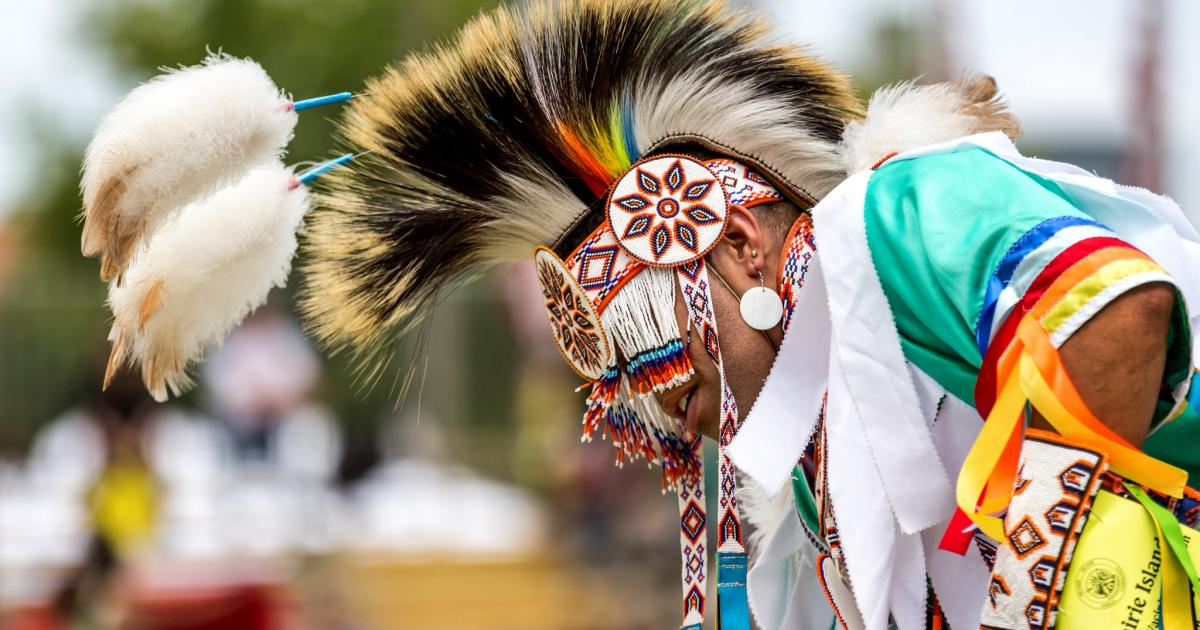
(202, 274)
(907, 116)
(171, 141)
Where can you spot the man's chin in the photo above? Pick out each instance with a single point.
(710, 425)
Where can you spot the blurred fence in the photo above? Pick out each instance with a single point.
(52, 346)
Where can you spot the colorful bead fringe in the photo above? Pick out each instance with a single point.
(633, 438)
(659, 368)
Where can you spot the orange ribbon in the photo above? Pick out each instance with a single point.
(1031, 370)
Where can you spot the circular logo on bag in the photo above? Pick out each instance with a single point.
(1101, 583)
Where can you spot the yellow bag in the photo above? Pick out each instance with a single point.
(1119, 568)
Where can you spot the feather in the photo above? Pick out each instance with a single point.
(150, 303)
(173, 140)
(506, 138)
(202, 274)
(908, 116)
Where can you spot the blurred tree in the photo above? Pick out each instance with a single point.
(52, 321)
(310, 47)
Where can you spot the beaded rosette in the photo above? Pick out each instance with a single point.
(611, 305)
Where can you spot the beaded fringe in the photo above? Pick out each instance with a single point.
(621, 406)
(641, 320)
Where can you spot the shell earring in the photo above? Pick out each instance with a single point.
(761, 307)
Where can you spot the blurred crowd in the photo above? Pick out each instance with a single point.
(232, 513)
(452, 492)
(287, 491)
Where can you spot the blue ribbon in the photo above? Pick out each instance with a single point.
(1027, 244)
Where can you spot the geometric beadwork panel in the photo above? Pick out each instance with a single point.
(1050, 505)
(600, 267)
(793, 272)
(1025, 538)
(692, 521)
(576, 325)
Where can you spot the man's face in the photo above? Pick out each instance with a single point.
(748, 353)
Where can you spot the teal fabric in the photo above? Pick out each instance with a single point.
(806, 503)
(1178, 366)
(937, 226)
(1178, 441)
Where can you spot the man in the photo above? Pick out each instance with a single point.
(727, 247)
(676, 170)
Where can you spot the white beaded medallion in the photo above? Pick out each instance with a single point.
(575, 323)
(668, 210)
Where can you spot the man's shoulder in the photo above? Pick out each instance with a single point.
(970, 186)
(965, 170)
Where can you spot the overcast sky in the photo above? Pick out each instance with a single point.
(1063, 64)
(43, 65)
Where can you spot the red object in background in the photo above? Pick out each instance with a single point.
(1143, 160)
(238, 607)
(31, 618)
(242, 607)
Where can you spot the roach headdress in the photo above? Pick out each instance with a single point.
(509, 137)
(575, 128)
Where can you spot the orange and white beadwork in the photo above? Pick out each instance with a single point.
(668, 210)
(574, 320)
(601, 267)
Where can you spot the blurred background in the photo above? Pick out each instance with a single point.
(282, 494)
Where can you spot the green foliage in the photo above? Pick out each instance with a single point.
(310, 47)
(52, 320)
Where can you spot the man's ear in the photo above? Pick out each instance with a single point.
(743, 242)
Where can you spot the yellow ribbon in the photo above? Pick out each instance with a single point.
(1093, 285)
(977, 498)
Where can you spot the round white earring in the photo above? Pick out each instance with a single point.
(761, 307)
